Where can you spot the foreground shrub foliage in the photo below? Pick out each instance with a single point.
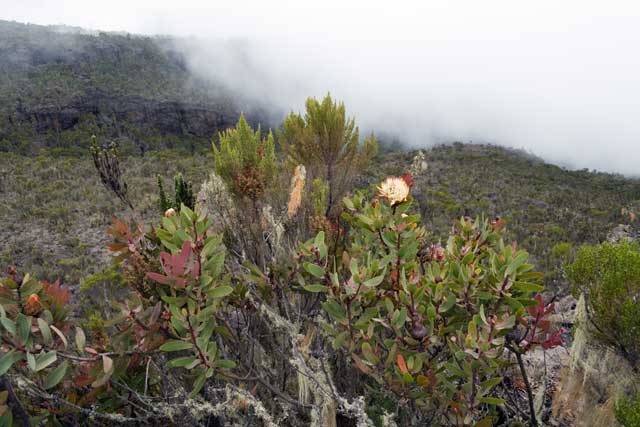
(609, 277)
(227, 316)
(433, 324)
(430, 322)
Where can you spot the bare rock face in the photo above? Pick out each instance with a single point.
(595, 377)
(168, 117)
(622, 233)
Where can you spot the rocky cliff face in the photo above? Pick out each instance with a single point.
(50, 79)
(169, 117)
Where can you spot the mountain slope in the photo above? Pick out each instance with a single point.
(56, 80)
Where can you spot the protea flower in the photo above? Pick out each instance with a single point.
(169, 213)
(394, 189)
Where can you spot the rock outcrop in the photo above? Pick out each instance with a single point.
(622, 233)
(170, 117)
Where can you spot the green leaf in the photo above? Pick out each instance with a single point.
(24, 326)
(61, 335)
(81, 339)
(492, 382)
(209, 247)
(374, 281)
(451, 301)
(491, 400)
(315, 270)
(517, 262)
(315, 288)
(365, 219)
(56, 375)
(368, 353)
(8, 360)
(220, 291)
(507, 323)
(181, 362)
(215, 263)
(355, 271)
(398, 318)
(527, 287)
(8, 325)
(31, 361)
(198, 384)
(31, 287)
(335, 311)
(44, 330)
(176, 345)
(226, 364)
(45, 359)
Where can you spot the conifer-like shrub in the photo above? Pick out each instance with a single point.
(327, 142)
(245, 161)
(609, 277)
(183, 194)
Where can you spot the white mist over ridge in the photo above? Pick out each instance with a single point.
(560, 79)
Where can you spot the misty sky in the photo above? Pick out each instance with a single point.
(558, 78)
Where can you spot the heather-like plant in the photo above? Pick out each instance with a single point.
(245, 161)
(430, 323)
(327, 142)
(183, 194)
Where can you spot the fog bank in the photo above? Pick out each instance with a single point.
(560, 79)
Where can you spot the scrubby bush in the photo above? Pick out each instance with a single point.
(177, 294)
(245, 161)
(609, 277)
(183, 194)
(429, 323)
(327, 143)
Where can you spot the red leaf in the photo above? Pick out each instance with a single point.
(554, 340)
(59, 294)
(160, 278)
(402, 364)
(181, 260)
(364, 368)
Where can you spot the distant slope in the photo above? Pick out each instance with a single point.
(57, 79)
(543, 205)
(55, 211)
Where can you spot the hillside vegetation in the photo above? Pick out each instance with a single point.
(300, 275)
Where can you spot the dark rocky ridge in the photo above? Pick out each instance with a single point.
(168, 117)
(52, 77)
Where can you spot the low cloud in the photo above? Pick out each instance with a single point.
(560, 79)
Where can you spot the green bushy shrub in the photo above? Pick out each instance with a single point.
(609, 277)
